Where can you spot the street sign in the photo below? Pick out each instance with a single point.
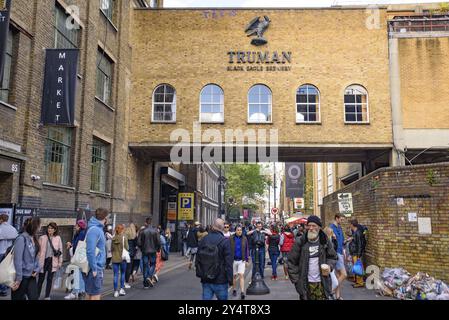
(345, 204)
(274, 210)
(186, 206)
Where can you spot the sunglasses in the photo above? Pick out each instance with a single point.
(226, 227)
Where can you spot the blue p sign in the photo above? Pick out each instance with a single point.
(186, 203)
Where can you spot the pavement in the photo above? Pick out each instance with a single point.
(177, 282)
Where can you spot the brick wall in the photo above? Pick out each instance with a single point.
(393, 241)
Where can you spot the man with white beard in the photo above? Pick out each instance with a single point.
(310, 262)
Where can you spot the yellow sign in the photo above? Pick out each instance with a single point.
(186, 206)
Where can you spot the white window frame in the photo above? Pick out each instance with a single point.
(270, 105)
(318, 105)
(357, 86)
(221, 105)
(330, 178)
(174, 104)
(319, 173)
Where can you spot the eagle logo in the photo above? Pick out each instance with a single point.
(258, 26)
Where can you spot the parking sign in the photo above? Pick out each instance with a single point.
(186, 206)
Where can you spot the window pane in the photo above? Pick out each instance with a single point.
(253, 109)
(302, 108)
(264, 109)
(349, 99)
(253, 97)
(350, 117)
(312, 99)
(312, 117)
(57, 155)
(350, 108)
(300, 98)
(159, 97)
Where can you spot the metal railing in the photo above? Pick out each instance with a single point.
(419, 24)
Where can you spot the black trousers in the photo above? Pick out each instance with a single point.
(27, 289)
(48, 266)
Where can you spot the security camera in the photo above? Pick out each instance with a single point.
(35, 178)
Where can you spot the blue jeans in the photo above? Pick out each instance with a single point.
(220, 290)
(167, 248)
(274, 263)
(261, 261)
(119, 267)
(149, 265)
(78, 283)
(3, 288)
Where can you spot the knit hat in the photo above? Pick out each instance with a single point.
(315, 219)
(81, 224)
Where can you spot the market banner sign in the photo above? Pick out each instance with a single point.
(58, 101)
(294, 180)
(186, 206)
(299, 203)
(4, 28)
(345, 204)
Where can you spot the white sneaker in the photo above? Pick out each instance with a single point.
(71, 296)
(156, 278)
(127, 286)
(116, 294)
(47, 298)
(122, 292)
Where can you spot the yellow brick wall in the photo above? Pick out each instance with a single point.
(330, 49)
(424, 82)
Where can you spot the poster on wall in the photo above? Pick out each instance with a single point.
(345, 204)
(171, 211)
(8, 209)
(299, 203)
(22, 214)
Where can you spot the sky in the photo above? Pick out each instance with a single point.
(279, 3)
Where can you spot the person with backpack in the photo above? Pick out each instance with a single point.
(240, 251)
(273, 250)
(214, 263)
(286, 242)
(150, 243)
(26, 262)
(356, 249)
(7, 235)
(96, 254)
(50, 258)
(311, 261)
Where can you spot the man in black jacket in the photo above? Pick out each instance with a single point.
(215, 281)
(310, 262)
(356, 249)
(149, 243)
(192, 242)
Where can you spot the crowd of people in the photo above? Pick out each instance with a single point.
(315, 259)
(38, 255)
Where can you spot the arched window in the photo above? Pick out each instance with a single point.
(164, 104)
(259, 104)
(356, 104)
(212, 104)
(307, 104)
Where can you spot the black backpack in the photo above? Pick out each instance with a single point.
(208, 264)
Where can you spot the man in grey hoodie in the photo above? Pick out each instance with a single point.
(7, 235)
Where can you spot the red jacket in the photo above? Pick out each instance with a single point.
(289, 240)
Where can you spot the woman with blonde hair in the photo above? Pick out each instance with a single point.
(131, 235)
(167, 240)
(120, 257)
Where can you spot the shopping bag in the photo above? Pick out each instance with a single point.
(334, 280)
(57, 284)
(7, 270)
(164, 254)
(80, 256)
(357, 269)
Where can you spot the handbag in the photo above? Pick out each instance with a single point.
(125, 253)
(80, 257)
(334, 280)
(164, 255)
(8, 270)
(56, 253)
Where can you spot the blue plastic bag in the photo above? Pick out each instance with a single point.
(357, 269)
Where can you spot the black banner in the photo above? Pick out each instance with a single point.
(294, 180)
(4, 28)
(58, 101)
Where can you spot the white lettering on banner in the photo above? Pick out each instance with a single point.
(59, 79)
(57, 117)
(58, 105)
(59, 92)
(61, 68)
(62, 55)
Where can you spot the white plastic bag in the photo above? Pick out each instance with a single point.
(334, 280)
(7, 270)
(58, 279)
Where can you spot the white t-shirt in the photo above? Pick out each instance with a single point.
(227, 234)
(314, 263)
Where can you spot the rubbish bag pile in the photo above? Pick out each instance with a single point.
(398, 283)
